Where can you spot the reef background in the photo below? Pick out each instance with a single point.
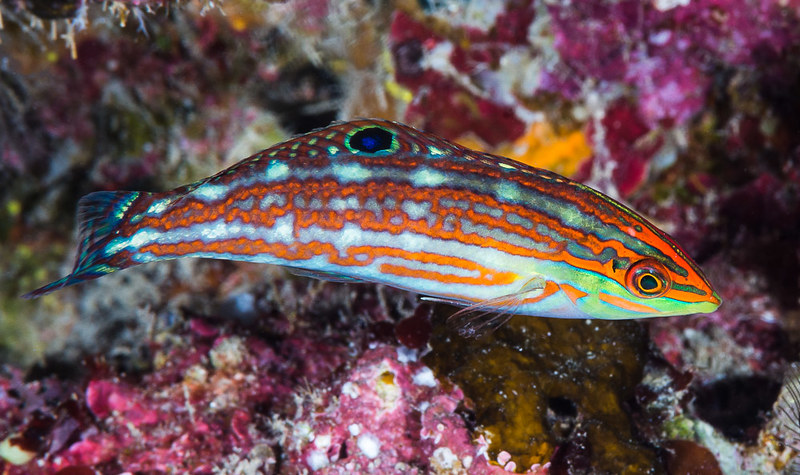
(685, 109)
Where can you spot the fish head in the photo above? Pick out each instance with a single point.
(647, 276)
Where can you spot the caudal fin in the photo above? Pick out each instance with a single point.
(99, 215)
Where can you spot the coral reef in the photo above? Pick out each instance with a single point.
(553, 390)
(219, 400)
(686, 110)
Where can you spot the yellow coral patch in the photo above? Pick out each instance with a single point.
(399, 92)
(543, 147)
(241, 15)
(387, 389)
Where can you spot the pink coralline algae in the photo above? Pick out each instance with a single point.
(628, 142)
(221, 402)
(667, 51)
(670, 91)
(389, 415)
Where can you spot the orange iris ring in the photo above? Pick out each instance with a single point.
(644, 269)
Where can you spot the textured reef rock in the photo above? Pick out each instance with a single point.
(685, 109)
(218, 399)
(554, 391)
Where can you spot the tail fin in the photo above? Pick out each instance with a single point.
(99, 215)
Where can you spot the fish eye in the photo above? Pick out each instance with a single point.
(370, 140)
(648, 279)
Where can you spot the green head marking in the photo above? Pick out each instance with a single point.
(644, 288)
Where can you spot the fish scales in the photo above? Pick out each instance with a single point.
(383, 202)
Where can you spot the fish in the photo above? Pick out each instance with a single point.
(372, 200)
(787, 412)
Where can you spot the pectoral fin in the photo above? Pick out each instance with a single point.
(484, 317)
(536, 283)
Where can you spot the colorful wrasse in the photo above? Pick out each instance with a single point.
(378, 201)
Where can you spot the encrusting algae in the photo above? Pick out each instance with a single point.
(549, 390)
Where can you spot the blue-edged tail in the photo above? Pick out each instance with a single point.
(100, 216)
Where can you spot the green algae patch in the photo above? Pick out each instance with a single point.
(537, 384)
(22, 324)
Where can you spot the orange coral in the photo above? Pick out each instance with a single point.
(542, 146)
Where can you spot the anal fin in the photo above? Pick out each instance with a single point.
(321, 275)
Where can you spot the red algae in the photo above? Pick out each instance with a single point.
(630, 145)
(443, 106)
(415, 331)
(350, 433)
(688, 458)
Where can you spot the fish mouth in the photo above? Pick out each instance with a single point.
(715, 298)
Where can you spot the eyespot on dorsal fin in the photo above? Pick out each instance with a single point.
(371, 139)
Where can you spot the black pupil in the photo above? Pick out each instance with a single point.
(648, 282)
(371, 140)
